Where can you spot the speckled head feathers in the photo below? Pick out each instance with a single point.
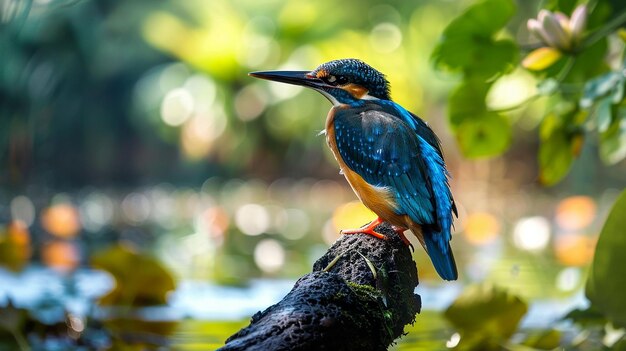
(357, 72)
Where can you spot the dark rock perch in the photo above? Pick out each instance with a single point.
(341, 305)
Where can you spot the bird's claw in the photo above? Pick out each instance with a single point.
(367, 229)
(400, 231)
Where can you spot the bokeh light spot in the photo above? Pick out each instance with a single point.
(252, 219)
(250, 102)
(136, 208)
(61, 220)
(386, 37)
(481, 228)
(568, 279)
(202, 90)
(269, 255)
(575, 212)
(177, 107)
(96, 211)
(532, 233)
(199, 133)
(574, 249)
(60, 255)
(295, 224)
(215, 222)
(23, 210)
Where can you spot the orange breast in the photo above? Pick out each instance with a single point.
(378, 199)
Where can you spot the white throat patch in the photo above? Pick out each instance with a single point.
(329, 97)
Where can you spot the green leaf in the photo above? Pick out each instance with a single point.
(485, 316)
(484, 18)
(467, 101)
(607, 283)
(467, 43)
(12, 318)
(586, 318)
(475, 56)
(560, 144)
(622, 34)
(620, 345)
(140, 279)
(488, 134)
(543, 340)
(589, 64)
(613, 142)
(479, 132)
(555, 158)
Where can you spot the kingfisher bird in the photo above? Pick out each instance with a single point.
(390, 157)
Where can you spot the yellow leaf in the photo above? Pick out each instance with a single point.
(622, 34)
(141, 280)
(541, 58)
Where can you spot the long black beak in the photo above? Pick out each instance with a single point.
(302, 78)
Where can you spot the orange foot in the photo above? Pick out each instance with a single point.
(369, 229)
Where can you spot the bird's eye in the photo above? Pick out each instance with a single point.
(342, 80)
(336, 80)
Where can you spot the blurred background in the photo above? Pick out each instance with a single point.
(136, 152)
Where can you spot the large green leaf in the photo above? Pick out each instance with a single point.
(488, 134)
(555, 158)
(485, 316)
(467, 101)
(484, 18)
(561, 142)
(607, 283)
(476, 56)
(480, 133)
(468, 43)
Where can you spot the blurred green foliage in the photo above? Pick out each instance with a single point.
(607, 282)
(141, 280)
(469, 46)
(582, 88)
(486, 317)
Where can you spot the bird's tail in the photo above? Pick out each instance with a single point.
(442, 257)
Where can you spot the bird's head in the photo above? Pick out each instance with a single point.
(346, 81)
